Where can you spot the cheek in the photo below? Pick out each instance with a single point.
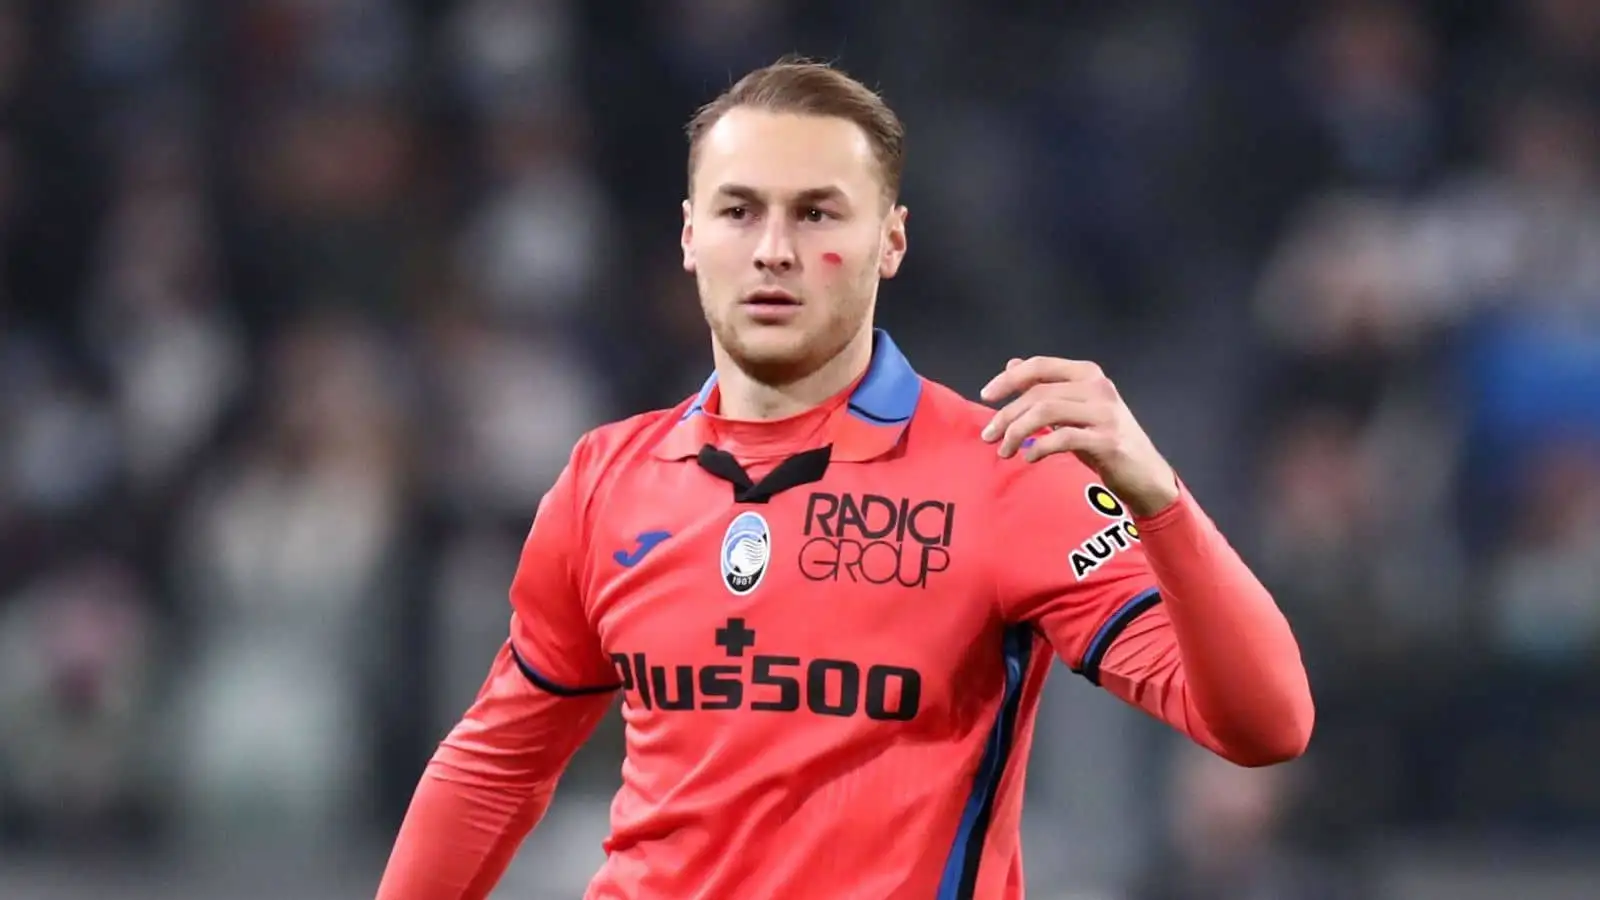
(720, 261)
(832, 260)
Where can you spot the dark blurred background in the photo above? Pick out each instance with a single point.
(303, 302)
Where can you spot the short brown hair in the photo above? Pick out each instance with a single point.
(811, 88)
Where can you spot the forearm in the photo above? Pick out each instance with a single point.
(487, 786)
(1241, 673)
(458, 838)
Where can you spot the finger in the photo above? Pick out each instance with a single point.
(1013, 362)
(1064, 440)
(1038, 370)
(1049, 412)
(1074, 393)
(1005, 415)
(1039, 415)
(1011, 380)
(1076, 376)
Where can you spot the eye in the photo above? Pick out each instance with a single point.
(815, 214)
(736, 213)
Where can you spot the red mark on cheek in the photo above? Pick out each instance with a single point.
(832, 259)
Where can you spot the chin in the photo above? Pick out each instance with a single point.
(773, 364)
(777, 354)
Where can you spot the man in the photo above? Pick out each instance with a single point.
(829, 590)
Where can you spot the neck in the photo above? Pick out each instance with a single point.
(745, 399)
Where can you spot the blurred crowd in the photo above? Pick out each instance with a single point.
(303, 302)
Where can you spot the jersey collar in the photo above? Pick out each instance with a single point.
(878, 411)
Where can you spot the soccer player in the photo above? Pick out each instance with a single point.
(828, 590)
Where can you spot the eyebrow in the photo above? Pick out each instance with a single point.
(807, 196)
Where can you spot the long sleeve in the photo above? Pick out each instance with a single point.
(487, 786)
(491, 779)
(1217, 659)
(1159, 611)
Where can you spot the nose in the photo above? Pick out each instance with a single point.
(776, 251)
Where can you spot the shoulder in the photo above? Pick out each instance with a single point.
(624, 438)
(624, 442)
(952, 419)
(607, 452)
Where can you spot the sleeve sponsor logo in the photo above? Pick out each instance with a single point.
(1106, 543)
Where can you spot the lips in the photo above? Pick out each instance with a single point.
(770, 297)
(770, 306)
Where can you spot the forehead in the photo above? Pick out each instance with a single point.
(786, 152)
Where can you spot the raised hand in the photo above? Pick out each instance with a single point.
(1070, 406)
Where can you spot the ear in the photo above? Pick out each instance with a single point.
(686, 239)
(894, 242)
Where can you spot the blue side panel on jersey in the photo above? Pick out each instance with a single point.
(960, 868)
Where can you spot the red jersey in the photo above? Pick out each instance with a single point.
(829, 634)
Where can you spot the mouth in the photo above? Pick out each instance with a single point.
(770, 306)
(769, 298)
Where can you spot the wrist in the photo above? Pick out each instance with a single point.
(1149, 500)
